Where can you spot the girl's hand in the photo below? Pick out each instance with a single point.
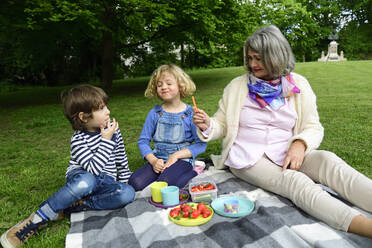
(110, 129)
(295, 156)
(171, 160)
(158, 166)
(201, 120)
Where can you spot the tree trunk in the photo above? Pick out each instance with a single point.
(190, 56)
(182, 56)
(107, 50)
(107, 60)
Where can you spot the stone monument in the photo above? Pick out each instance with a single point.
(332, 54)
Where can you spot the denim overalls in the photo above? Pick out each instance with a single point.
(169, 136)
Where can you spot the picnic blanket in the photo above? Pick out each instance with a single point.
(275, 222)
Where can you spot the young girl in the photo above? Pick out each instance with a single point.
(170, 127)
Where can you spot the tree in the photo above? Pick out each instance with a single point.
(89, 36)
(357, 32)
(327, 18)
(296, 23)
(42, 47)
(57, 34)
(206, 34)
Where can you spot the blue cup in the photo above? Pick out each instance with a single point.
(170, 195)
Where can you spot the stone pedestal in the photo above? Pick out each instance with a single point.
(332, 53)
(341, 58)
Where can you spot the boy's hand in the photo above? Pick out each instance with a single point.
(110, 129)
(158, 166)
(201, 120)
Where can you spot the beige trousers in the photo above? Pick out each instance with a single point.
(299, 186)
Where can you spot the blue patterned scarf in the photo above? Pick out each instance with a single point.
(271, 92)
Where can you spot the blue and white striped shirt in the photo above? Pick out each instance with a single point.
(95, 154)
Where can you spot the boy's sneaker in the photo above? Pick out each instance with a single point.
(19, 233)
(77, 206)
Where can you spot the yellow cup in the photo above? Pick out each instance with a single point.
(156, 190)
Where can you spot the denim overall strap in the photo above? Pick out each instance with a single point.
(189, 111)
(169, 136)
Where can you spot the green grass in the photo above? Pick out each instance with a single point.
(34, 134)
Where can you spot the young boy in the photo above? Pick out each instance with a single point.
(98, 171)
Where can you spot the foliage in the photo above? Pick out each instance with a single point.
(54, 45)
(62, 41)
(294, 21)
(357, 32)
(198, 37)
(356, 41)
(69, 41)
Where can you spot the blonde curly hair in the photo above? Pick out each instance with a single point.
(185, 83)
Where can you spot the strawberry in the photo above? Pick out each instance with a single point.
(175, 212)
(183, 197)
(185, 214)
(195, 189)
(201, 207)
(195, 213)
(209, 187)
(206, 213)
(186, 208)
(201, 187)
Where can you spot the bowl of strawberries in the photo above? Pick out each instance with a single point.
(191, 214)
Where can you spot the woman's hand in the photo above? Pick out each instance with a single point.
(201, 120)
(295, 155)
(110, 129)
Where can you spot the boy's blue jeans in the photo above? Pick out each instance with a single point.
(100, 192)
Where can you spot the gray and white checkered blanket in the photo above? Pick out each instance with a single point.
(275, 222)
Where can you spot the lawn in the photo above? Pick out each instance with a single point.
(34, 134)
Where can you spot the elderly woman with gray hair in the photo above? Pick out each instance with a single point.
(270, 125)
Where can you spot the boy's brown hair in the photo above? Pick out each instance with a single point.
(82, 98)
